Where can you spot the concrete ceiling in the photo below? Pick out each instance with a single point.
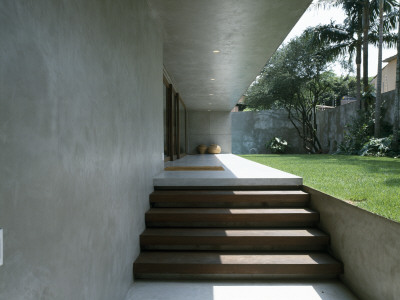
(246, 33)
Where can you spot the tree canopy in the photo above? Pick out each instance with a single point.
(297, 79)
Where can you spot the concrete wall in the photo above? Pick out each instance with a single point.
(80, 91)
(208, 128)
(367, 244)
(332, 124)
(252, 130)
(388, 105)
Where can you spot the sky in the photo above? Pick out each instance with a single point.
(315, 16)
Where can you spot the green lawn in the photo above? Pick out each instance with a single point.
(372, 183)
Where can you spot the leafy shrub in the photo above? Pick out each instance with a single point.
(277, 145)
(360, 131)
(357, 134)
(377, 147)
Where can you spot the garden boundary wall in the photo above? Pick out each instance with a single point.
(332, 122)
(253, 129)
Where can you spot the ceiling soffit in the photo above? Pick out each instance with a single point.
(246, 33)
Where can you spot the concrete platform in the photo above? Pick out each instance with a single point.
(251, 290)
(237, 172)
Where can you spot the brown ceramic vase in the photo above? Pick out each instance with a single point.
(214, 149)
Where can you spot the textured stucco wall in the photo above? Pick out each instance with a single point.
(252, 130)
(208, 128)
(332, 122)
(81, 138)
(367, 244)
(388, 105)
(332, 125)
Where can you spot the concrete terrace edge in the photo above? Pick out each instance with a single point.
(225, 182)
(238, 171)
(367, 244)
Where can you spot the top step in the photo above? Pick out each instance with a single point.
(221, 198)
(236, 171)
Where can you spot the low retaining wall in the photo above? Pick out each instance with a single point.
(367, 244)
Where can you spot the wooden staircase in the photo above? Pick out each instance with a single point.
(233, 234)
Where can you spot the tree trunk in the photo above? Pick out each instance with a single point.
(397, 95)
(365, 24)
(358, 63)
(292, 120)
(378, 101)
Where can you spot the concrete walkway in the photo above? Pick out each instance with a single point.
(237, 172)
(273, 290)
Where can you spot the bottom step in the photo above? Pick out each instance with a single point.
(155, 264)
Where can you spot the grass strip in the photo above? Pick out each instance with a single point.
(372, 183)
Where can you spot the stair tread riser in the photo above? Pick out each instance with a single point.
(233, 234)
(234, 243)
(229, 211)
(274, 269)
(171, 276)
(228, 205)
(222, 217)
(228, 192)
(202, 199)
(228, 195)
(229, 198)
(231, 220)
(259, 241)
(217, 257)
(228, 232)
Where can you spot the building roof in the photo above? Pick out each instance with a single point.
(246, 33)
(389, 59)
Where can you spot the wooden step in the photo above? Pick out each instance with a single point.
(233, 239)
(237, 217)
(229, 198)
(154, 264)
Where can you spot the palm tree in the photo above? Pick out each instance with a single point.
(340, 40)
(363, 14)
(343, 35)
(345, 39)
(365, 26)
(378, 101)
(371, 9)
(397, 94)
